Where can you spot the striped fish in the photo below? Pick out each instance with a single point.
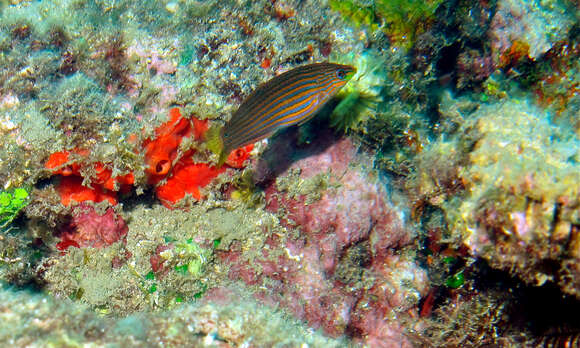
(559, 341)
(291, 98)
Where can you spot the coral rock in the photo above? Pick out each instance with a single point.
(522, 191)
(537, 24)
(339, 209)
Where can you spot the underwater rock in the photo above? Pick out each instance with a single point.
(335, 205)
(362, 301)
(519, 189)
(537, 24)
(341, 272)
(228, 318)
(473, 68)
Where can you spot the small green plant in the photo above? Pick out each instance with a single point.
(10, 204)
(455, 281)
(192, 257)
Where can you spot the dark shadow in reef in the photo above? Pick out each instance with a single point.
(132, 200)
(30, 251)
(543, 311)
(293, 144)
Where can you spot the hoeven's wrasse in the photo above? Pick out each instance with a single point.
(291, 98)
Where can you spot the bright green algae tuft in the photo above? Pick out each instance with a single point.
(11, 202)
(401, 20)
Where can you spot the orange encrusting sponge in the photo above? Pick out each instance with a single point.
(238, 157)
(161, 151)
(187, 178)
(174, 175)
(182, 175)
(70, 188)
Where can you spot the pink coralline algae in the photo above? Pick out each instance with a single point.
(155, 60)
(341, 274)
(90, 229)
(354, 212)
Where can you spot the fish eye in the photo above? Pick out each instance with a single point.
(340, 74)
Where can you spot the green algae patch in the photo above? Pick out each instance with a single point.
(356, 13)
(401, 20)
(11, 202)
(455, 281)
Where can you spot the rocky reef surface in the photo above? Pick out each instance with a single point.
(434, 202)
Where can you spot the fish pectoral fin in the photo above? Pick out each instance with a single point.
(215, 144)
(214, 140)
(223, 156)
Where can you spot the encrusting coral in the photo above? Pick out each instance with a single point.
(340, 262)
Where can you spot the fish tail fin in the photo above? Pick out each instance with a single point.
(215, 144)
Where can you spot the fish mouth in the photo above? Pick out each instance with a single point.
(350, 73)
